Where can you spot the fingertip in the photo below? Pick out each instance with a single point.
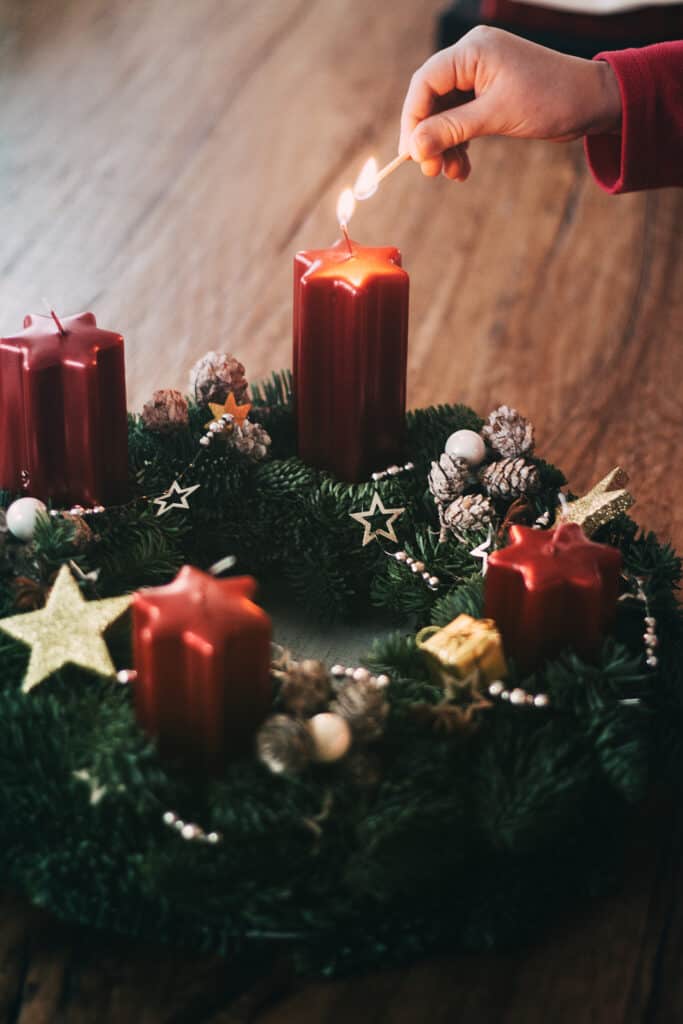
(415, 150)
(431, 167)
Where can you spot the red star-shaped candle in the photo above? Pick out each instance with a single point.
(552, 589)
(202, 654)
(63, 419)
(350, 354)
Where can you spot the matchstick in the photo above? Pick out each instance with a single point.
(392, 166)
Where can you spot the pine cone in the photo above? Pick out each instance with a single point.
(305, 687)
(252, 440)
(448, 478)
(166, 411)
(284, 744)
(508, 432)
(364, 706)
(469, 512)
(82, 534)
(28, 594)
(510, 478)
(215, 375)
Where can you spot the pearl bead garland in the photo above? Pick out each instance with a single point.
(390, 471)
(518, 696)
(361, 675)
(418, 567)
(189, 831)
(650, 638)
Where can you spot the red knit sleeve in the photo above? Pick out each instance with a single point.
(649, 151)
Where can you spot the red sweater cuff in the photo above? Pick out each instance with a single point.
(615, 159)
(649, 151)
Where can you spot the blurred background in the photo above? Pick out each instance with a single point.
(161, 162)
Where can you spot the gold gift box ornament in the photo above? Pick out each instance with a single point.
(465, 651)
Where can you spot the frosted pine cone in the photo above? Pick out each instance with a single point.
(510, 478)
(448, 478)
(305, 687)
(508, 432)
(469, 512)
(165, 412)
(252, 440)
(284, 745)
(364, 706)
(215, 375)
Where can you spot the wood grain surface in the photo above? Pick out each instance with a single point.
(160, 162)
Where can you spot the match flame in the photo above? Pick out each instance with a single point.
(366, 182)
(346, 204)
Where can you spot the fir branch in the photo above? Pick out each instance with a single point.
(467, 598)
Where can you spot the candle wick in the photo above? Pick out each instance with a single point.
(345, 233)
(60, 325)
(222, 565)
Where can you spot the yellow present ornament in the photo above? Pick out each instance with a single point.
(465, 651)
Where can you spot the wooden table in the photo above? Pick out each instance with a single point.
(159, 164)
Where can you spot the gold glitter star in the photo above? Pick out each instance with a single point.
(239, 413)
(378, 509)
(601, 505)
(68, 630)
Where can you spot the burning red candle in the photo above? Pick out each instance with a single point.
(350, 355)
(63, 419)
(202, 655)
(552, 589)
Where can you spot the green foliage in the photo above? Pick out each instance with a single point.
(467, 599)
(464, 838)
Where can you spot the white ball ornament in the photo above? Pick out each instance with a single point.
(22, 516)
(467, 445)
(331, 736)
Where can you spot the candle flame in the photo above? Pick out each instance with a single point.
(346, 204)
(366, 182)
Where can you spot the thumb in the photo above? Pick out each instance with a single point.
(440, 132)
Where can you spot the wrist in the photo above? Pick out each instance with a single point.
(605, 107)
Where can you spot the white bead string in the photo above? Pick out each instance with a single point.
(393, 471)
(190, 831)
(518, 696)
(360, 675)
(415, 565)
(215, 428)
(650, 639)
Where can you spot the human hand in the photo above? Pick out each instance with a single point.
(493, 83)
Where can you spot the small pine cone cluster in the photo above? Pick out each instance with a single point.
(82, 534)
(29, 594)
(252, 440)
(318, 728)
(469, 512)
(284, 744)
(215, 375)
(448, 478)
(508, 433)
(510, 478)
(305, 685)
(365, 707)
(166, 411)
